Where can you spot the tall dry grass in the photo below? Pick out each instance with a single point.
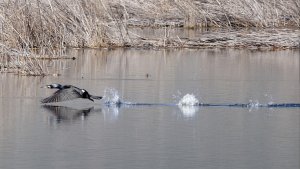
(52, 25)
(44, 28)
(220, 13)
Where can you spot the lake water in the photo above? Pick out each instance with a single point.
(83, 134)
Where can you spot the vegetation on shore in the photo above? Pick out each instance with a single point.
(50, 26)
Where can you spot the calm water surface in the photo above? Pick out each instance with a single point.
(83, 134)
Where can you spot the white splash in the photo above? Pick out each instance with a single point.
(253, 105)
(111, 97)
(188, 111)
(188, 105)
(188, 100)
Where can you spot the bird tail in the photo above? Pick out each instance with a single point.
(97, 97)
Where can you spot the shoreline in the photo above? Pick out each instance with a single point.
(266, 39)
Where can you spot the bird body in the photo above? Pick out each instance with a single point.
(67, 92)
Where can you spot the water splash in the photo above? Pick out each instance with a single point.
(188, 105)
(254, 104)
(188, 111)
(188, 100)
(111, 97)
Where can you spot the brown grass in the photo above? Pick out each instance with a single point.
(57, 24)
(52, 26)
(218, 13)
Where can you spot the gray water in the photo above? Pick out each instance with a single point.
(84, 134)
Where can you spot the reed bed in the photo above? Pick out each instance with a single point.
(45, 28)
(15, 61)
(267, 39)
(215, 13)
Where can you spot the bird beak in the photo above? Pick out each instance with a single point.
(44, 87)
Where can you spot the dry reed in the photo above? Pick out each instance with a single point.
(52, 25)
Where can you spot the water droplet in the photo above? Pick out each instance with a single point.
(189, 100)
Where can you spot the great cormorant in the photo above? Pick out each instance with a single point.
(67, 92)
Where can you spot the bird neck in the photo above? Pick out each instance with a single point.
(87, 95)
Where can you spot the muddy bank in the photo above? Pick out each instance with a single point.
(267, 39)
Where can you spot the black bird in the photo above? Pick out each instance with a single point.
(67, 92)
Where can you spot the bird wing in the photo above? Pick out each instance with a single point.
(80, 91)
(63, 95)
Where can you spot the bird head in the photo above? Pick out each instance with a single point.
(85, 94)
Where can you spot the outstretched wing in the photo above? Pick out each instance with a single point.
(81, 91)
(63, 95)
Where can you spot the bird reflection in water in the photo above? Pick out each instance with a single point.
(64, 114)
